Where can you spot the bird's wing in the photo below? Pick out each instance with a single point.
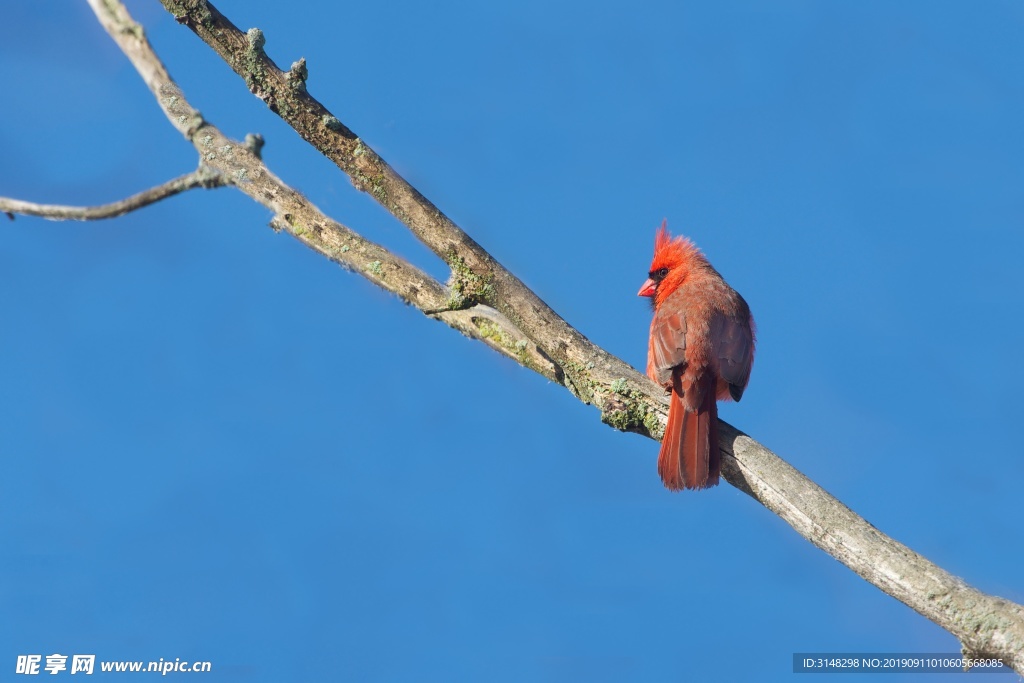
(668, 343)
(733, 338)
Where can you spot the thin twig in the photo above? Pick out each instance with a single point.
(201, 177)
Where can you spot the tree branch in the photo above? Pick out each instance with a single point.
(201, 177)
(525, 328)
(588, 369)
(984, 624)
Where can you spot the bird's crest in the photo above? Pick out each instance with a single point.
(672, 252)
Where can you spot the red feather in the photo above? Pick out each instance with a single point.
(701, 349)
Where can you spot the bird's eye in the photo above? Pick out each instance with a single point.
(658, 275)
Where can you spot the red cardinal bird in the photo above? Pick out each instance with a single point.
(701, 350)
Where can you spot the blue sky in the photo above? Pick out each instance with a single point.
(219, 446)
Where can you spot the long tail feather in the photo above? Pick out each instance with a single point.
(670, 457)
(689, 457)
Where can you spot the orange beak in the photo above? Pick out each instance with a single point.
(647, 289)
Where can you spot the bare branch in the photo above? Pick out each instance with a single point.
(524, 327)
(202, 177)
